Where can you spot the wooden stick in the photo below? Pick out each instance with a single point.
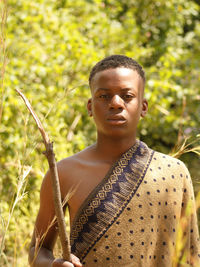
(55, 182)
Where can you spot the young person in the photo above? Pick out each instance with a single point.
(129, 199)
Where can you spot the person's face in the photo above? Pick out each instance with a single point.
(117, 101)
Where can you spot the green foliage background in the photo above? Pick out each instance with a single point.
(51, 47)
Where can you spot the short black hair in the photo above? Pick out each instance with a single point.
(115, 61)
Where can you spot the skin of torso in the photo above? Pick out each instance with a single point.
(81, 173)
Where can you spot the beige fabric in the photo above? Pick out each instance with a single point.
(145, 232)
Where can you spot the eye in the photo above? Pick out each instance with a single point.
(104, 96)
(128, 96)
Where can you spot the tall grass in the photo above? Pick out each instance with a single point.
(17, 197)
(3, 57)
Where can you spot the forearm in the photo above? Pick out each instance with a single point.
(43, 257)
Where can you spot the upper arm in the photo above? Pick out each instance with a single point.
(45, 231)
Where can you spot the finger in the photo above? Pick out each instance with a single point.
(76, 261)
(62, 263)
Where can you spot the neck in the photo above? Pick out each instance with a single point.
(113, 148)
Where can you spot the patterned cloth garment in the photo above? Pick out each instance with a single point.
(132, 218)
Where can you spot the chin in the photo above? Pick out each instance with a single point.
(117, 133)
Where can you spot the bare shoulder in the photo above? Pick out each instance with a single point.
(70, 172)
(70, 168)
(66, 166)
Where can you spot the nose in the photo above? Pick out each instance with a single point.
(116, 102)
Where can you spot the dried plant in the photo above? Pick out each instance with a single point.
(187, 146)
(49, 153)
(20, 193)
(3, 55)
(40, 238)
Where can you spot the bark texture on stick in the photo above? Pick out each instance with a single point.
(66, 250)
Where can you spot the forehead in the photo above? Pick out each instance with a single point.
(116, 77)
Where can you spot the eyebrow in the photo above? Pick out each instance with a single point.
(122, 89)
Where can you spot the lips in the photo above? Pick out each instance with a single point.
(116, 119)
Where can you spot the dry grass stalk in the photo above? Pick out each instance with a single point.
(187, 147)
(40, 238)
(181, 255)
(19, 196)
(3, 57)
(182, 145)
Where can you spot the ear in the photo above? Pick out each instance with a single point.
(89, 107)
(144, 108)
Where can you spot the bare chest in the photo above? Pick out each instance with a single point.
(85, 179)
